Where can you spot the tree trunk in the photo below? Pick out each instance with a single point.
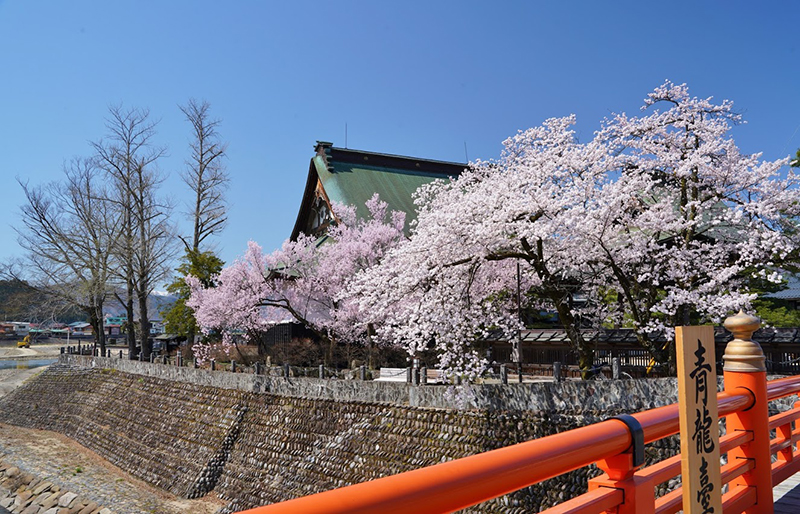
(144, 327)
(584, 348)
(96, 320)
(331, 348)
(130, 334)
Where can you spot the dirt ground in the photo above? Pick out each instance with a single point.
(77, 469)
(54, 457)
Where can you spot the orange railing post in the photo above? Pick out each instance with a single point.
(784, 432)
(638, 492)
(745, 369)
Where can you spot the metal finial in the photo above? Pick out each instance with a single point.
(742, 353)
(742, 325)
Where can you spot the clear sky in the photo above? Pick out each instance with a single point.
(417, 78)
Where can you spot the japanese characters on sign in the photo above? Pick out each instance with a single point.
(697, 399)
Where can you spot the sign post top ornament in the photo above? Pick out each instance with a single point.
(743, 354)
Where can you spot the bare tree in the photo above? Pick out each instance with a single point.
(207, 178)
(68, 230)
(205, 174)
(145, 245)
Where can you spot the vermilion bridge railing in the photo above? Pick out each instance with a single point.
(749, 473)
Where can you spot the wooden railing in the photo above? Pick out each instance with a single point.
(624, 488)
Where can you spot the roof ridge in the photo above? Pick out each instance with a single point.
(329, 146)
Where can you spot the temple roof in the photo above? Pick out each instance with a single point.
(624, 336)
(352, 177)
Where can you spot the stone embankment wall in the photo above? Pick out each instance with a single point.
(22, 493)
(572, 397)
(257, 440)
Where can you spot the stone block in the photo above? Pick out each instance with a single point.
(89, 509)
(41, 498)
(20, 504)
(12, 471)
(8, 502)
(67, 499)
(79, 506)
(50, 501)
(42, 487)
(31, 509)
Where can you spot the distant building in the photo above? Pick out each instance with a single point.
(112, 329)
(7, 330)
(156, 327)
(81, 328)
(21, 328)
(115, 320)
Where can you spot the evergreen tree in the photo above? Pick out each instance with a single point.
(179, 319)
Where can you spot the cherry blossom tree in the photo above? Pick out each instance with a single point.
(302, 281)
(691, 220)
(658, 220)
(454, 281)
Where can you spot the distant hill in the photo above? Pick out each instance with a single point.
(19, 302)
(15, 300)
(160, 301)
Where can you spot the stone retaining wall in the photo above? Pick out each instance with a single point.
(571, 397)
(257, 440)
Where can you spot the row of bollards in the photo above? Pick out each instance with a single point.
(417, 375)
(504, 372)
(616, 371)
(414, 375)
(86, 350)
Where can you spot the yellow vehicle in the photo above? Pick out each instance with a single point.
(25, 343)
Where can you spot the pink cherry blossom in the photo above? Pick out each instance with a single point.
(657, 220)
(302, 281)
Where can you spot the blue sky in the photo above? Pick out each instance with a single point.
(416, 78)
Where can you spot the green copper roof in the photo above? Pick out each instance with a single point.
(355, 183)
(352, 177)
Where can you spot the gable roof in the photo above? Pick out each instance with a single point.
(351, 177)
(791, 290)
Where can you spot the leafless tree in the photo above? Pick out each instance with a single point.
(145, 245)
(205, 174)
(68, 231)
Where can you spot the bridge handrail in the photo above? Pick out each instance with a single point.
(783, 387)
(457, 484)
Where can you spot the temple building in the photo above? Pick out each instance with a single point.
(351, 177)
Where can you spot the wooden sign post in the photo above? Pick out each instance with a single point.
(699, 421)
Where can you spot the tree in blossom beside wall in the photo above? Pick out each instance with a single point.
(456, 279)
(690, 221)
(658, 220)
(301, 281)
